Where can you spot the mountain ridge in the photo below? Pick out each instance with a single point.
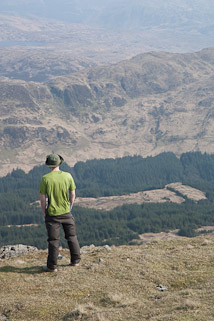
(151, 103)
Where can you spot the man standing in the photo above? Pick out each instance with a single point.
(60, 188)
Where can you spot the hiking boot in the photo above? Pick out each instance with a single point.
(47, 269)
(74, 263)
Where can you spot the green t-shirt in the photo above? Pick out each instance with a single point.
(56, 185)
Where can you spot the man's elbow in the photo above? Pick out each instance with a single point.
(72, 193)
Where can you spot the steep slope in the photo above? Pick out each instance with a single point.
(151, 103)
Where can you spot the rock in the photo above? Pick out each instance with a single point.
(206, 242)
(3, 317)
(161, 287)
(190, 247)
(126, 259)
(87, 248)
(73, 315)
(107, 247)
(9, 251)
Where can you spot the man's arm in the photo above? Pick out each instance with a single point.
(72, 196)
(43, 203)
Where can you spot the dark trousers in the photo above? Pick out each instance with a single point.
(53, 229)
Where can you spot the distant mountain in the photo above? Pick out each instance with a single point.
(121, 14)
(151, 103)
(78, 34)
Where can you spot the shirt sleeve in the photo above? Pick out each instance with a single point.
(72, 184)
(43, 189)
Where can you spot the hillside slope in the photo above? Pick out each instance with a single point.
(113, 283)
(151, 103)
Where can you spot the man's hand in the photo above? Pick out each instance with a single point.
(43, 203)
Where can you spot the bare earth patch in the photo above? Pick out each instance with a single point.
(188, 191)
(152, 196)
(162, 236)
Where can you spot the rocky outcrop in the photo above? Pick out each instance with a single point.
(16, 136)
(9, 251)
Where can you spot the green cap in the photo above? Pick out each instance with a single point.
(54, 160)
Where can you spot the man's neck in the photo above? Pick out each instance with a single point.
(54, 169)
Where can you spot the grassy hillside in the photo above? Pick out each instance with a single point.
(113, 284)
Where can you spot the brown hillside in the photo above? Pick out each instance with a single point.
(152, 103)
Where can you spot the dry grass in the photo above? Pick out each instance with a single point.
(121, 286)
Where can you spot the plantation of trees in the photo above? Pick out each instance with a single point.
(19, 192)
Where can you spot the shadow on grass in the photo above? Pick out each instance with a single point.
(27, 270)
